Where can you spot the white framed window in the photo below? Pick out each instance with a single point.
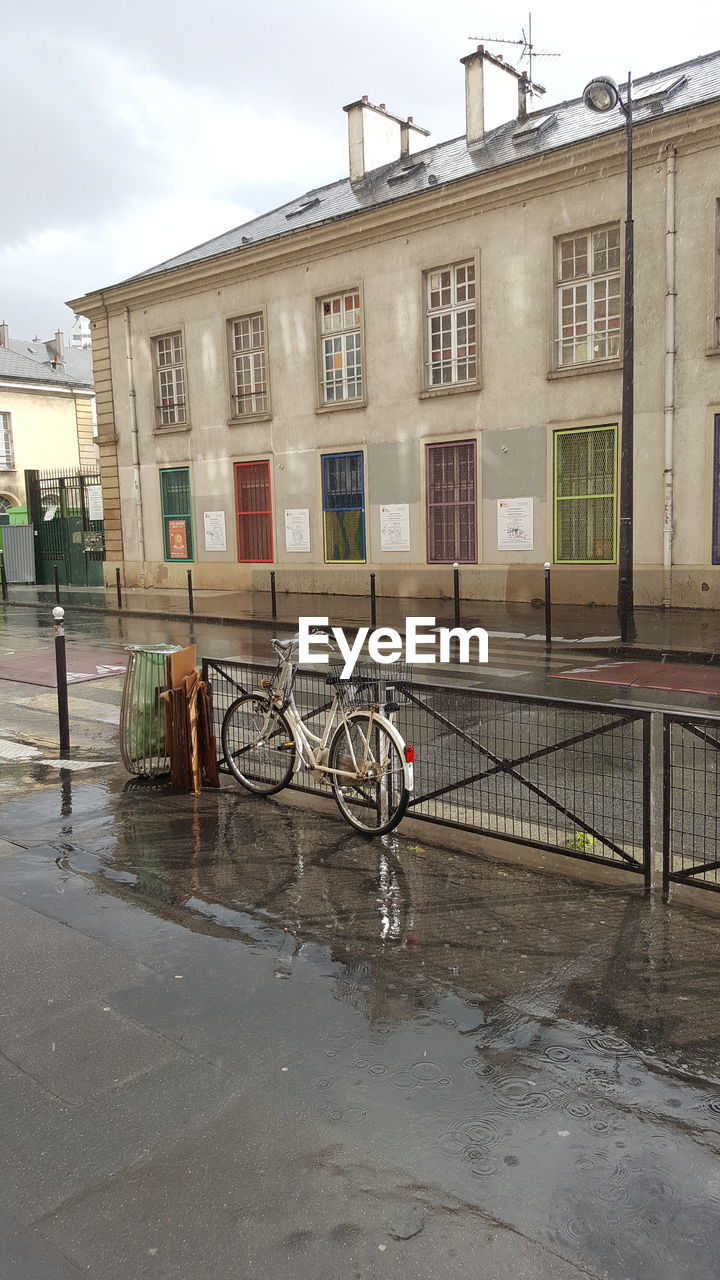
(588, 296)
(451, 351)
(170, 374)
(7, 454)
(341, 347)
(249, 365)
(715, 342)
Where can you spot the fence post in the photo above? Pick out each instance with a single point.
(61, 677)
(118, 589)
(191, 603)
(373, 605)
(548, 608)
(456, 592)
(56, 576)
(273, 599)
(3, 577)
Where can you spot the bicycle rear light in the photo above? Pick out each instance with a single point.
(409, 753)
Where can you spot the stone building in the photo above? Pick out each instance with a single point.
(47, 411)
(422, 363)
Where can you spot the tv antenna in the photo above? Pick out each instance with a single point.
(528, 51)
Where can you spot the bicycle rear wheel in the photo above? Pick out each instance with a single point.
(258, 745)
(369, 787)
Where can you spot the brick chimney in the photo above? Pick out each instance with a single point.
(4, 335)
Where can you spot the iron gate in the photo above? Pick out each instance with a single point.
(66, 510)
(570, 777)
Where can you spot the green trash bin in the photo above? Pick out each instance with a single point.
(143, 749)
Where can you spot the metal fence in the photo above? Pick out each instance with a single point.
(691, 809)
(571, 777)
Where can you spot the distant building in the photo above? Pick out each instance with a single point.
(79, 335)
(47, 411)
(422, 363)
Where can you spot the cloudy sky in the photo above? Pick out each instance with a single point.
(134, 130)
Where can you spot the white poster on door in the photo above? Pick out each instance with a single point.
(297, 529)
(215, 536)
(395, 527)
(515, 524)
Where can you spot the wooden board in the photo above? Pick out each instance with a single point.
(180, 665)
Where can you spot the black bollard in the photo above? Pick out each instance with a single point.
(273, 598)
(56, 576)
(456, 592)
(373, 606)
(548, 608)
(191, 603)
(3, 577)
(118, 589)
(61, 676)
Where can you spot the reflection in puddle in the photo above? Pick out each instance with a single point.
(539, 1047)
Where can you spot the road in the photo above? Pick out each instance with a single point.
(237, 1040)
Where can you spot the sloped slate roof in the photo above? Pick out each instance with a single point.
(25, 361)
(563, 125)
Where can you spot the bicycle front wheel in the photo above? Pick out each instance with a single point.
(368, 778)
(258, 745)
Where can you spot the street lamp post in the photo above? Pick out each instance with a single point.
(603, 95)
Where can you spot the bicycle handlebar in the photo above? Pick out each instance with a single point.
(283, 648)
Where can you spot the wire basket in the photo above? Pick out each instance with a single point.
(372, 684)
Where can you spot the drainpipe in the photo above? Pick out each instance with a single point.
(670, 294)
(134, 448)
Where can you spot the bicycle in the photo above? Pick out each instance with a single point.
(360, 753)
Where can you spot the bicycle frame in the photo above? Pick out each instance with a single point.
(312, 747)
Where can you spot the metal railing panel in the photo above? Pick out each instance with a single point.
(691, 811)
(572, 777)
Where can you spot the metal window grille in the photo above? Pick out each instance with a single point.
(341, 347)
(170, 379)
(452, 349)
(249, 365)
(585, 495)
(254, 511)
(177, 513)
(7, 455)
(343, 506)
(451, 503)
(588, 296)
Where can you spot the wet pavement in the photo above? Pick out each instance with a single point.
(690, 633)
(238, 1040)
(514, 665)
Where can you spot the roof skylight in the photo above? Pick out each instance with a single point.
(303, 208)
(534, 126)
(660, 90)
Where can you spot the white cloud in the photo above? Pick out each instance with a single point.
(59, 263)
(214, 141)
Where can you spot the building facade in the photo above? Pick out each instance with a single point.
(47, 411)
(422, 364)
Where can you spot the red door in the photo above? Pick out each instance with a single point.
(254, 512)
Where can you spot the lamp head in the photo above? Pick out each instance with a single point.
(601, 94)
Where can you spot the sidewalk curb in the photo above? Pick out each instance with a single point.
(631, 652)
